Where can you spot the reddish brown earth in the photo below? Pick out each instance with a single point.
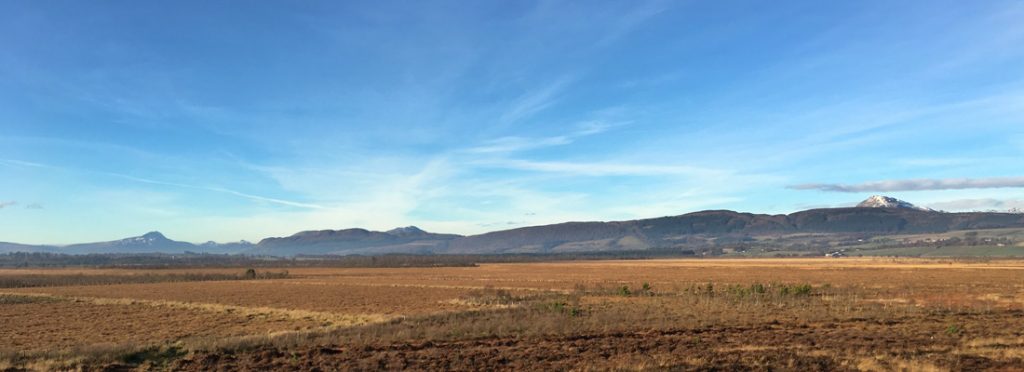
(854, 314)
(849, 345)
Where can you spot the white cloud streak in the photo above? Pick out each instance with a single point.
(173, 184)
(533, 102)
(602, 168)
(917, 185)
(514, 143)
(220, 190)
(627, 22)
(978, 204)
(19, 163)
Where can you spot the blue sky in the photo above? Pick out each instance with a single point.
(241, 120)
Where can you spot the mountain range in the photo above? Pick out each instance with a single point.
(878, 215)
(151, 242)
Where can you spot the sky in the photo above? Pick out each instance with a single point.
(235, 120)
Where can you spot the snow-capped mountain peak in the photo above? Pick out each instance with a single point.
(408, 230)
(881, 201)
(154, 235)
(150, 238)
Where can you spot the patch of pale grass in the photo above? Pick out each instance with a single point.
(882, 363)
(747, 348)
(889, 300)
(869, 364)
(916, 365)
(428, 286)
(1002, 299)
(818, 353)
(248, 341)
(478, 305)
(995, 348)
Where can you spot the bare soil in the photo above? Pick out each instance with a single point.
(859, 344)
(753, 314)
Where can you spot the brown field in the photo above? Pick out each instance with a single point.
(39, 324)
(750, 314)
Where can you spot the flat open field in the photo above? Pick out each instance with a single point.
(754, 314)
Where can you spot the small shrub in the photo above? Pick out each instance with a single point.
(504, 297)
(624, 291)
(802, 290)
(645, 290)
(575, 312)
(492, 296)
(563, 308)
(154, 355)
(556, 306)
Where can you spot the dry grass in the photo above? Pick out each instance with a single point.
(343, 298)
(869, 314)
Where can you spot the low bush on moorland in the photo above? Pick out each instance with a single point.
(490, 296)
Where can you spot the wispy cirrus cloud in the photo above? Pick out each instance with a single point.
(515, 143)
(626, 22)
(535, 101)
(601, 168)
(221, 190)
(916, 185)
(936, 162)
(978, 204)
(512, 144)
(20, 163)
(259, 198)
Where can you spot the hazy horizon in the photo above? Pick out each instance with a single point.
(210, 121)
